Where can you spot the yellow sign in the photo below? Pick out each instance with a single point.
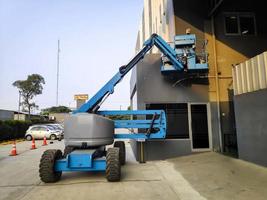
(80, 96)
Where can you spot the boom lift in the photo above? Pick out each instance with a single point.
(88, 130)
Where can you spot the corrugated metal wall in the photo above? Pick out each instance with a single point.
(251, 75)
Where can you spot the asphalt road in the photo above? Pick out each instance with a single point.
(200, 176)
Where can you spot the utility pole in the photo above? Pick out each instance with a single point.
(58, 51)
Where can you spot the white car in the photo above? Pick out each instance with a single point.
(39, 131)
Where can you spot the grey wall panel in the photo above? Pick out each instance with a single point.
(162, 149)
(135, 148)
(169, 148)
(153, 87)
(251, 125)
(214, 127)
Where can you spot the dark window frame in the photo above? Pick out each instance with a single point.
(239, 15)
(169, 108)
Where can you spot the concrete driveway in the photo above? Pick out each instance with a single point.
(200, 176)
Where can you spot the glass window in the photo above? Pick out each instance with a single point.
(231, 25)
(240, 24)
(247, 25)
(34, 128)
(42, 129)
(50, 127)
(177, 119)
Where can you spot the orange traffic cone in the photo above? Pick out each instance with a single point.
(33, 144)
(14, 149)
(44, 141)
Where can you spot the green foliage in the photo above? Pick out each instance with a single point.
(119, 117)
(13, 129)
(29, 88)
(55, 109)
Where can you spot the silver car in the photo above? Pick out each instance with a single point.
(39, 131)
(58, 127)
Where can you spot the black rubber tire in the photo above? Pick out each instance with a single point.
(53, 137)
(67, 151)
(28, 137)
(46, 166)
(113, 168)
(121, 146)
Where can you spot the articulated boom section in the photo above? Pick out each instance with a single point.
(155, 127)
(95, 102)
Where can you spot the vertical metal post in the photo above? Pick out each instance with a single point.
(142, 158)
(217, 83)
(58, 51)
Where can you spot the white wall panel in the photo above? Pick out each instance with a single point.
(250, 75)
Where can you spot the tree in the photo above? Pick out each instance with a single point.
(28, 89)
(55, 109)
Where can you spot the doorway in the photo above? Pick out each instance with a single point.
(199, 127)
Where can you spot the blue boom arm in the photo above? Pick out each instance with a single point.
(93, 104)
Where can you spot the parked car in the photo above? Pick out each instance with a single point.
(39, 131)
(57, 127)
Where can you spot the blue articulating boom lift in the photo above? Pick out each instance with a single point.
(88, 130)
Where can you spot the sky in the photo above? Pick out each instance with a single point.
(96, 38)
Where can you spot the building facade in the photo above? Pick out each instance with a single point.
(250, 100)
(6, 114)
(200, 116)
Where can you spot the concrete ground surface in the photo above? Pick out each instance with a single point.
(199, 176)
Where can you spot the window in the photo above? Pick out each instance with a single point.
(51, 127)
(35, 129)
(231, 24)
(247, 25)
(240, 24)
(42, 129)
(177, 119)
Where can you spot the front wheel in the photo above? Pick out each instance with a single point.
(28, 137)
(113, 168)
(47, 163)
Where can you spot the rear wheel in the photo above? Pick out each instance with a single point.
(121, 146)
(53, 137)
(46, 167)
(113, 168)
